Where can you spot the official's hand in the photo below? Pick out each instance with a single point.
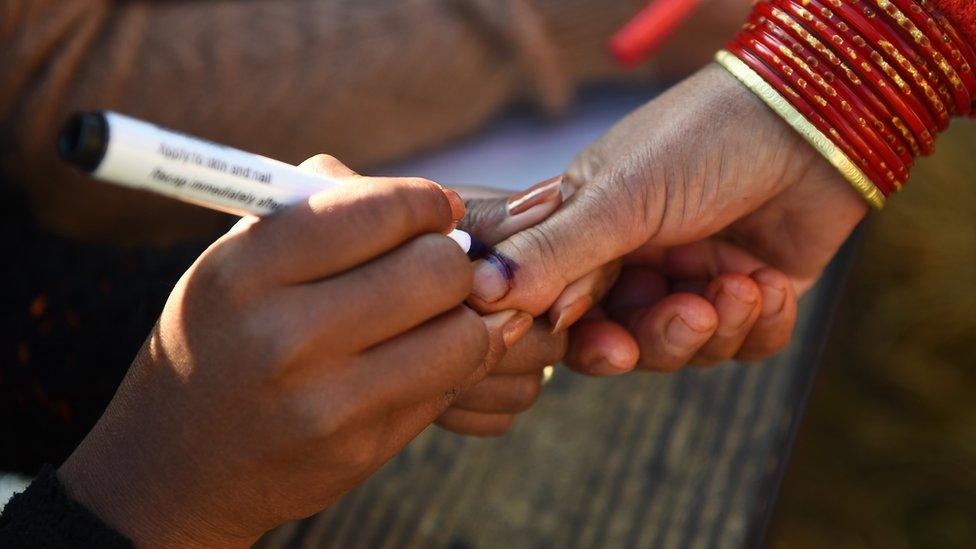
(296, 356)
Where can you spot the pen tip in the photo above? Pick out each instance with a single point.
(478, 249)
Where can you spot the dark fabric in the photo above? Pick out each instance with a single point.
(73, 318)
(44, 515)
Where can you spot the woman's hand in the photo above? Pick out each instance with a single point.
(721, 213)
(295, 357)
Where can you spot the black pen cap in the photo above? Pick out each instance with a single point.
(84, 139)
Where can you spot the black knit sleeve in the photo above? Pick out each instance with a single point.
(44, 515)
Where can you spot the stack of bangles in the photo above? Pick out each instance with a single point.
(868, 83)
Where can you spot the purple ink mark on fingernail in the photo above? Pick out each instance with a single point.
(505, 265)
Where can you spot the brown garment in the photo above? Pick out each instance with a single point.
(368, 81)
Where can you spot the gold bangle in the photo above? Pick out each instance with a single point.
(798, 122)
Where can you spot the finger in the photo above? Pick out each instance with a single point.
(532, 267)
(404, 424)
(600, 347)
(431, 361)
(343, 227)
(502, 394)
(466, 422)
(672, 330)
(738, 302)
(580, 296)
(605, 347)
(431, 273)
(495, 219)
(777, 318)
(538, 349)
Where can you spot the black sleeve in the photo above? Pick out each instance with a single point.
(44, 515)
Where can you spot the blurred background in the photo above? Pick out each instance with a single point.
(886, 454)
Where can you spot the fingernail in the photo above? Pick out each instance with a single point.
(683, 336)
(774, 299)
(516, 328)
(498, 322)
(569, 314)
(457, 204)
(491, 278)
(534, 195)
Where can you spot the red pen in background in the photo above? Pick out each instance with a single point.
(648, 30)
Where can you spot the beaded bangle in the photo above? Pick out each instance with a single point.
(868, 83)
(923, 133)
(874, 85)
(909, 21)
(839, 104)
(951, 45)
(962, 48)
(911, 67)
(884, 142)
(914, 68)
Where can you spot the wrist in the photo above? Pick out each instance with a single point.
(112, 481)
(752, 144)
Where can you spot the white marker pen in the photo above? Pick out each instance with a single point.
(119, 149)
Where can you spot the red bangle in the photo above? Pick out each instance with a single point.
(868, 83)
(910, 18)
(897, 155)
(953, 47)
(846, 119)
(841, 131)
(773, 78)
(935, 76)
(894, 87)
(874, 85)
(901, 55)
(962, 45)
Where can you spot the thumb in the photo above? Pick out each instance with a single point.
(528, 270)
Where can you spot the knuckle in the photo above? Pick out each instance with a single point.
(319, 163)
(223, 273)
(420, 204)
(444, 264)
(278, 349)
(321, 418)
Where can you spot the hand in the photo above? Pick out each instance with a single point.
(295, 357)
(489, 408)
(722, 214)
